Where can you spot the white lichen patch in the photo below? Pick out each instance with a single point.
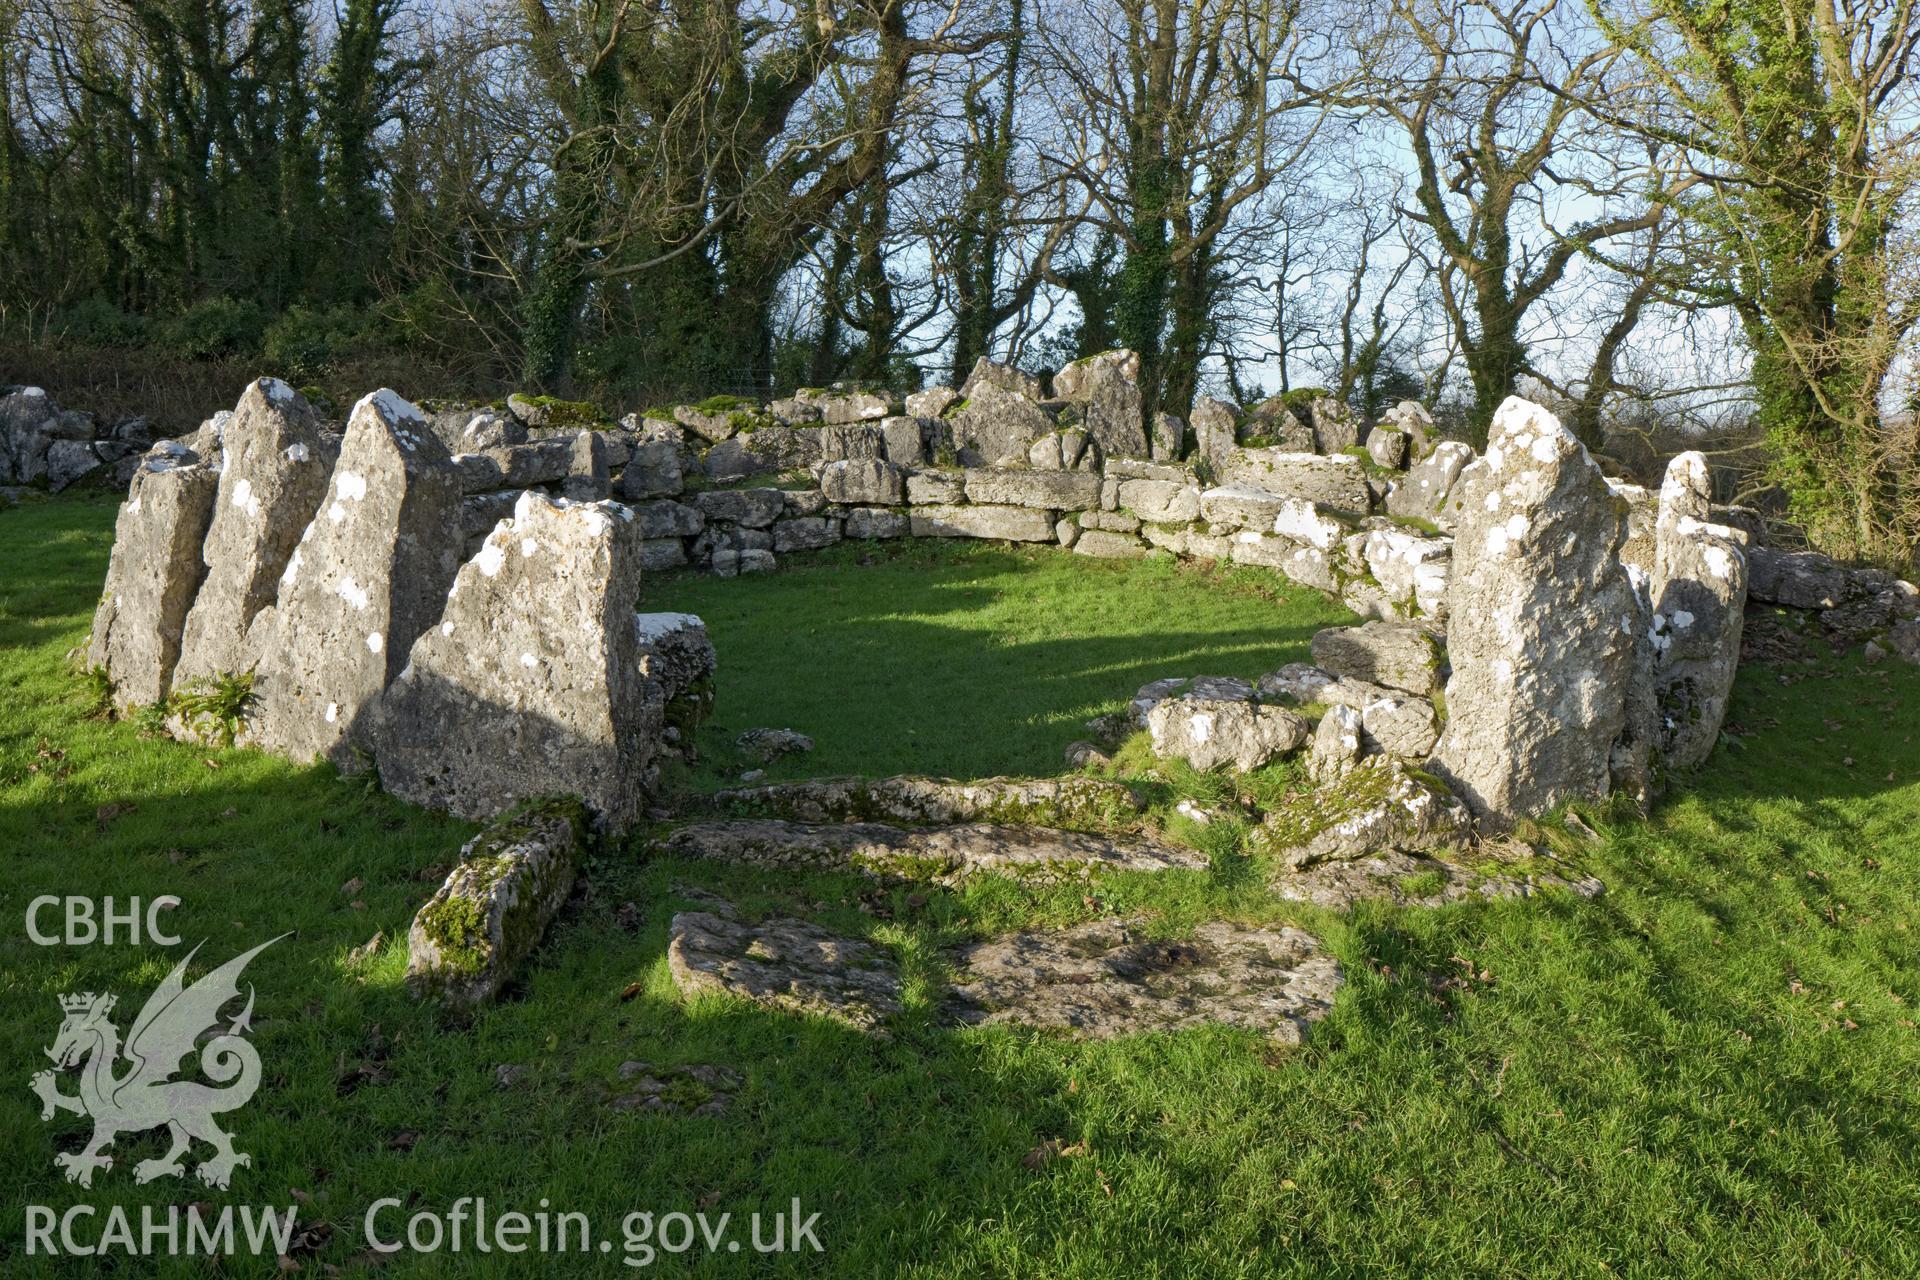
(491, 558)
(350, 485)
(375, 642)
(352, 592)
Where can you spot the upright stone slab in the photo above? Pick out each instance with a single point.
(1108, 385)
(271, 482)
(1215, 424)
(1423, 492)
(1699, 592)
(153, 575)
(533, 683)
(995, 424)
(369, 575)
(1543, 623)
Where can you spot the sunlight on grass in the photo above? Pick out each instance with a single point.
(1707, 1072)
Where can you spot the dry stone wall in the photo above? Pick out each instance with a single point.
(1540, 632)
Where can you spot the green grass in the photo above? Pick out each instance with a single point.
(1707, 1072)
(969, 660)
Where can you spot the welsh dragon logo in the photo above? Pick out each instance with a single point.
(145, 1096)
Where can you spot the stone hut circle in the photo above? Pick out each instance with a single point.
(445, 600)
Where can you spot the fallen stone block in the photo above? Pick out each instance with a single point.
(1111, 977)
(1400, 655)
(1214, 722)
(1085, 803)
(1108, 546)
(1377, 805)
(784, 964)
(472, 936)
(1796, 579)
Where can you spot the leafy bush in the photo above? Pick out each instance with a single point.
(304, 343)
(215, 327)
(98, 323)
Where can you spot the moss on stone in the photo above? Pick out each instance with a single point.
(566, 413)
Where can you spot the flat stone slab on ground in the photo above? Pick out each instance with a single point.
(910, 798)
(1107, 978)
(784, 964)
(1413, 880)
(944, 855)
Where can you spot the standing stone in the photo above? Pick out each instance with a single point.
(904, 441)
(1169, 437)
(587, 479)
(1542, 623)
(1215, 423)
(1334, 427)
(1277, 424)
(271, 482)
(996, 423)
(533, 682)
(1108, 385)
(1387, 447)
(1423, 493)
(369, 575)
(153, 574)
(1412, 417)
(1699, 591)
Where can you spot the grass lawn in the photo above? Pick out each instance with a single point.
(969, 660)
(1709, 1071)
